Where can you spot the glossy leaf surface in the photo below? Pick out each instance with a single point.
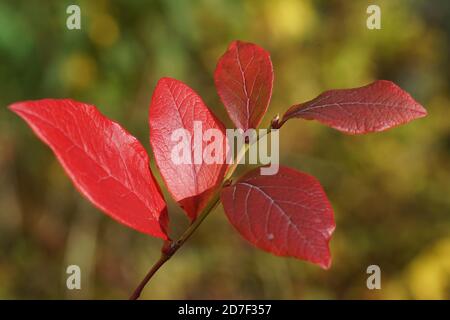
(244, 80)
(175, 106)
(372, 108)
(106, 163)
(287, 214)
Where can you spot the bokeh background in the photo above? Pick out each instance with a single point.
(390, 191)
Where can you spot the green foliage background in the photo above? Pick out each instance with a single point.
(390, 191)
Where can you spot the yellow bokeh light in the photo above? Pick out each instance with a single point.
(78, 71)
(103, 30)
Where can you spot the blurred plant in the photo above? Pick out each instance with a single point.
(287, 214)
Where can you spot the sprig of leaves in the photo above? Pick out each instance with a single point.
(287, 214)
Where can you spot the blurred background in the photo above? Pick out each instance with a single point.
(390, 191)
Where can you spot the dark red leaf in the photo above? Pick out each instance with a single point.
(106, 163)
(176, 106)
(287, 214)
(244, 79)
(376, 107)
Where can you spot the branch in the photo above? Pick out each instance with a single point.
(169, 249)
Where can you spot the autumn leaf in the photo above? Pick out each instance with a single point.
(376, 107)
(106, 164)
(175, 106)
(244, 80)
(287, 214)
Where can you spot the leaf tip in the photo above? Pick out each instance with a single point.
(326, 259)
(325, 264)
(422, 111)
(15, 107)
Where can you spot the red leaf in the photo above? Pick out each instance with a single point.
(106, 163)
(287, 214)
(244, 79)
(376, 107)
(176, 106)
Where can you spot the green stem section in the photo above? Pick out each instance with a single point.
(172, 248)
